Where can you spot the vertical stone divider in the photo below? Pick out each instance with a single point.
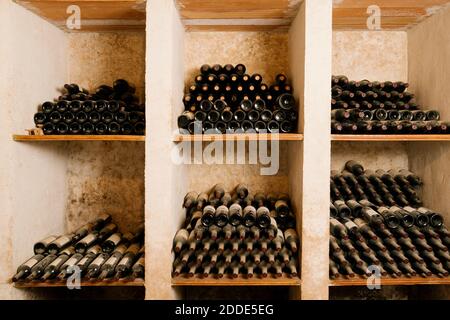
(164, 180)
(310, 41)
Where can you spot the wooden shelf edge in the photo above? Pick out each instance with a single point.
(84, 283)
(240, 281)
(239, 137)
(390, 137)
(403, 281)
(18, 137)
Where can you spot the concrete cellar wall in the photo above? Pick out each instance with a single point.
(106, 176)
(36, 171)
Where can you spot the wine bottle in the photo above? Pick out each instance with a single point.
(221, 216)
(92, 253)
(435, 219)
(334, 271)
(291, 239)
(125, 264)
(334, 244)
(371, 257)
(372, 217)
(279, 240)
(60, 243)
(24, 269)
(342, 209)
(338, 229)
(53, 269)
(352, 229)
(86, 242)
(249, 216)
(437, 243)
(108, 267)
(282, 206)
(67, 266)
(413, 255)
(423, 244)
(407, 269)
(365, 229)
(438, 270)
(421, 269)
(390, 219)
(355, 207)
(347, 246)
(38, 269)
(41, 246)
(422, 220)
(138, 268)
(208, 216)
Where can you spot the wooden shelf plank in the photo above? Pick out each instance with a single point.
(239, 137)
(239, 281)
(263, 15)
(18, 137)
(390, 137)
(84, 283)
(395, 14)
(103, 15)
(389, 281)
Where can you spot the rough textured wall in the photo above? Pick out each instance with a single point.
(372, 55)
(32, 176)
(202, 177)
(429, 65)
(265, 53)
(372, 155)
(106, 176)
(101, 58)
(261, 52)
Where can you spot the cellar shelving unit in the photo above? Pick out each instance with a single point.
(256, 33)
(18, 137)
(410, 51)
(293, 35)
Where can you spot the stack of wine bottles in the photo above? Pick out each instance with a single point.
(96, 251)
(224, 99)
(367, 107)
(376, 218)
(110, 110)
(236, 235)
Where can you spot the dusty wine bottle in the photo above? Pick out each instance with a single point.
(24, 269)
(108, 267)
(221, 216)
(86, 242)
(67, 266)
(41, 246)
(94, 267)
(53, 269)
(60, 243)
(38, 269)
